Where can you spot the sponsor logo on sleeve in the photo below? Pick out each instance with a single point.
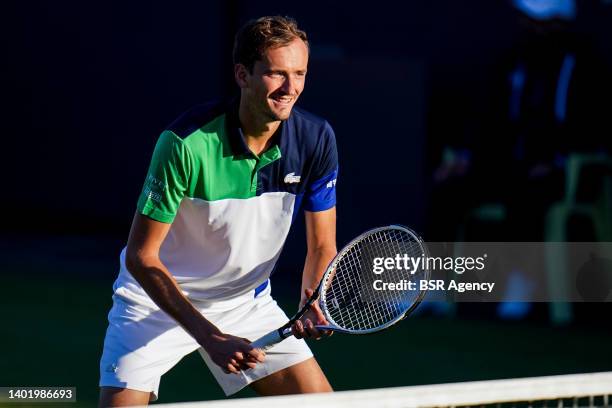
(154, 188)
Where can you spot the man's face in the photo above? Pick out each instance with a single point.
(276, 82)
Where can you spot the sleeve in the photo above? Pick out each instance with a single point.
(167, 179)
(320, 194)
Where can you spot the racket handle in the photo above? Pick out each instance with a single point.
(270, 339)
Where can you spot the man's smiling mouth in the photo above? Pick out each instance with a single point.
(283, 100)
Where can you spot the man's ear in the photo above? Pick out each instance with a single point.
(241, 75)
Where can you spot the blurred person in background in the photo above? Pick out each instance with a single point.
(545, 99)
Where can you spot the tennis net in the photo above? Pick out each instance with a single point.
(575, 390)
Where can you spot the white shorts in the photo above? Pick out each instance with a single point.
(142, 342)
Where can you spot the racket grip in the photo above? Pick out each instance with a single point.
(270, 339)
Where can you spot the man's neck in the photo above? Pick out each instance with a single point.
(257, 132)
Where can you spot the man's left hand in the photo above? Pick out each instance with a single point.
(305, 326)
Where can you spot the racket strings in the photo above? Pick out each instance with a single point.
(395, 302)
(349, 294)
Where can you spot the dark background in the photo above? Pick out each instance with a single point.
(88, 87)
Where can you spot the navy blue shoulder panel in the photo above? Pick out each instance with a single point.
(300, 114)
(308, 154)
(196, 117)
(314, 138)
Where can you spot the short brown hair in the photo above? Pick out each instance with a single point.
(257, 36)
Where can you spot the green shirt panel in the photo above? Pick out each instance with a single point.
(167, 179)
(218, 173)
(200, 166)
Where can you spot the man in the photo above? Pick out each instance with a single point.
(224, 185)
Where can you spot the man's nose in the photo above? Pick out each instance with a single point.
(288, 86)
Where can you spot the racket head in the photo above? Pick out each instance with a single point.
(347, 296)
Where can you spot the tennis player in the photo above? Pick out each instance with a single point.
(224, 185)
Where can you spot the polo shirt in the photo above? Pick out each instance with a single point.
(231, 210)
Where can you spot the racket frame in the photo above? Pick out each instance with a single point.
(331, 269)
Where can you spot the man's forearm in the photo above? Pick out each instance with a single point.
(316, 262)
(165, 292)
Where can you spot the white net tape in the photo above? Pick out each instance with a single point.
(577, 390)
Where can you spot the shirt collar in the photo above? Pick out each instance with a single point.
(234, 131)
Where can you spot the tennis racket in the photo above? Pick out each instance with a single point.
(350, 295)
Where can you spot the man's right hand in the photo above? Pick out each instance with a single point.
(233, 354)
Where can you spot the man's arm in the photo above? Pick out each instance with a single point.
(321, 242)
(142, 260)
